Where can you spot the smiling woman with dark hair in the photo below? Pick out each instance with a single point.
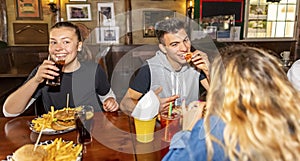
(85, 82)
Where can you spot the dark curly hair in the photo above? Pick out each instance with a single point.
(171, 25)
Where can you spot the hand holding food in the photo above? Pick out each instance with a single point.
(198, 59)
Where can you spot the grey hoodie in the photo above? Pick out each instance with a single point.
(185, 82)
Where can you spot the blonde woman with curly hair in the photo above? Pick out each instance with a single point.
(253, 112)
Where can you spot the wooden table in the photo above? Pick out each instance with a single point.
(113, 139)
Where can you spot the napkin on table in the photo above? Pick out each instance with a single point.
(147, 107)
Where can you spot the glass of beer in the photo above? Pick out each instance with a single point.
(59, 63)
(84, 119)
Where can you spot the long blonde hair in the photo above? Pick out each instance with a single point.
(252, 95)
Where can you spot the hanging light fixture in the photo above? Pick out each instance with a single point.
(190, 8)
(191, 3)
(55, 9)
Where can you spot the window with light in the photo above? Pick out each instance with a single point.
(271, 19)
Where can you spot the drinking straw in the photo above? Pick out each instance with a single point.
(167, 122)
(170, 110)
(166, 130)
(67, 100)
(39, 137)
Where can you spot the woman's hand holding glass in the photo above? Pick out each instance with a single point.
(47, 70)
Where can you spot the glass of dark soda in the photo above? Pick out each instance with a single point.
(59, 63)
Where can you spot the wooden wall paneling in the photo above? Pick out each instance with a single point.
(3, 21)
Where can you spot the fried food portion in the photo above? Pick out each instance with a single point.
(27, 153)
(57, 120)
(61, 150)
(188, 57)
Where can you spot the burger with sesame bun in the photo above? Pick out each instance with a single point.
(27, 153)
(63, 119)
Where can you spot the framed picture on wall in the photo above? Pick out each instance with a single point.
(78, 12)
(108, 35)
(153, 16)
(29, 10)
(23, 33)
(106, 14)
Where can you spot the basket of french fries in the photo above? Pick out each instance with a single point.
(55, 121)
(51, 150)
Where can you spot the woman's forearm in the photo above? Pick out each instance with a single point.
(17, 101)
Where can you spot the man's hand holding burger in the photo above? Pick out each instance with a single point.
(200, 60)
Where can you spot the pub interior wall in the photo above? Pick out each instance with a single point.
(119, 7)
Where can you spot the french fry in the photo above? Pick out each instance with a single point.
(47, 119)
(60, 150)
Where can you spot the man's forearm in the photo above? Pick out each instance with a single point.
(127, 105)
(205, 83)
(129, 101)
